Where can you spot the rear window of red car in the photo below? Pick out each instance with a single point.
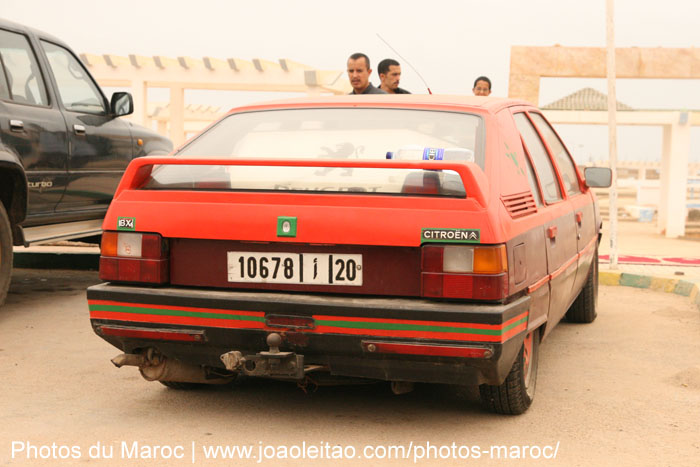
(331, 134)
(358, 133)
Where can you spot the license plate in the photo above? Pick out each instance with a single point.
(294, 268)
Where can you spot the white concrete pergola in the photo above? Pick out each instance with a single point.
(196, 117)
(529, 64)
(232, 74)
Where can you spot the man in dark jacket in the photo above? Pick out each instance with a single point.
(390, 74)
(358, 73)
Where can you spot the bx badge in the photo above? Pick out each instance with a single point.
(126, 223)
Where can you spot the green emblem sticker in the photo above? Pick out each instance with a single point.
(514, 157)
(286, 226)
(126, 223)
(450, 235)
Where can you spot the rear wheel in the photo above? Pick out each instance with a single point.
(585, 307)
(515, 395)
(5, 253)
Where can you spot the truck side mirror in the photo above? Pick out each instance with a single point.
(122, 104)
(598, 177)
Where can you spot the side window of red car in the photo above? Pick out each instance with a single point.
(559, 153)
(540, 159)
(532, 180)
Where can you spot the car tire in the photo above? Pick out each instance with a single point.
(585, 307)
(515, 395)
(5, 253)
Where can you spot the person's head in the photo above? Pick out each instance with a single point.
(482, 86)
(359, 71)
(390, 74)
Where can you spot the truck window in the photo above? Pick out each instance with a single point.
(24, 80)
(76, 89)
(4, 88)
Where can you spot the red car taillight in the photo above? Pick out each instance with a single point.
(470, 272)
(134, 257)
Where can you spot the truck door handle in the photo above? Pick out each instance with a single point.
(579, 217)
(79, 129)
(16, 125)
(552, 232)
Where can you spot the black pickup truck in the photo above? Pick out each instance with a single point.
(63, 148)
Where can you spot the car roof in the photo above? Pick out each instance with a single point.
(490, 104)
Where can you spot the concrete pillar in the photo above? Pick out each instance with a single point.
(675, 175)
(177, 115)
(664, 181)
(524, 86)
(162, 127)
(140, 94)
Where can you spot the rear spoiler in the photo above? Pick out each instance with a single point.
(473, 178)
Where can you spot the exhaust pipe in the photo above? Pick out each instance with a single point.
(156, 367)
(128, 359)
(175, 371)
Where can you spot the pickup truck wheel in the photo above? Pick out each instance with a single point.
(585, 307)
(515, 395)
(5, 253)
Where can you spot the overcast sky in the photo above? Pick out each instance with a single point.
(450, 42)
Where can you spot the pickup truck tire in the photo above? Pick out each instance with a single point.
(515, 395)
(5, 253)
(585, 307)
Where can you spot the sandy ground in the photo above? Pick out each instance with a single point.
(641, 238)
(624, 390)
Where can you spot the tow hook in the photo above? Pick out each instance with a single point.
(272, 363)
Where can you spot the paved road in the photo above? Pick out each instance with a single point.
(624, 391)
